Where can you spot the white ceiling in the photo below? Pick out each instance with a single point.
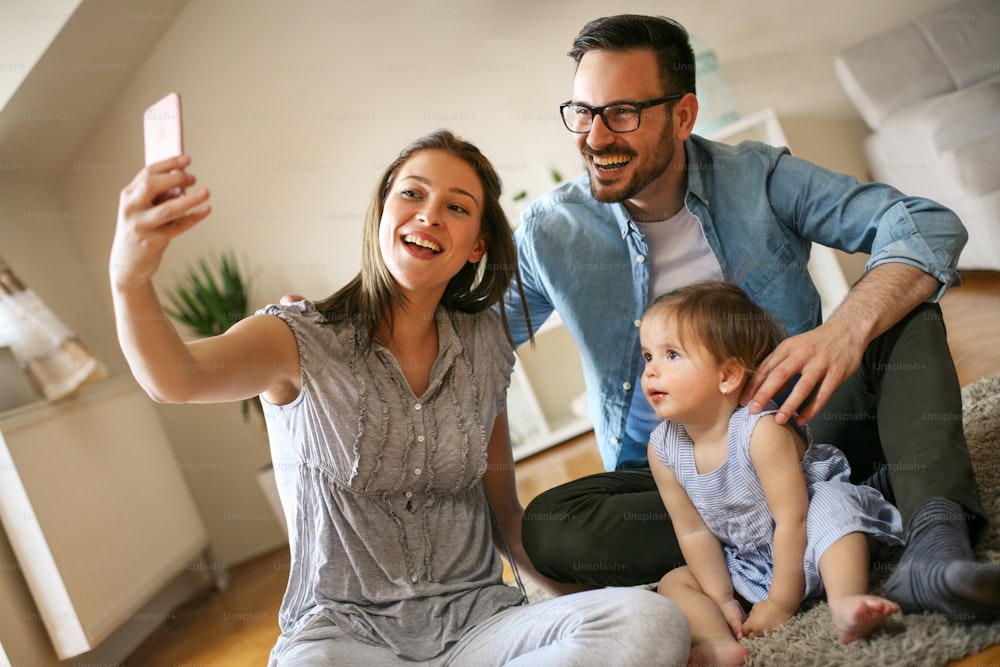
(63, 62)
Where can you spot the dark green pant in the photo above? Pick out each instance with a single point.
(901, 413)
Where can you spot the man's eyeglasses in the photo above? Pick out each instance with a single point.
(618, 117)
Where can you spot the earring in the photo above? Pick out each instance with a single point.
(724, 389)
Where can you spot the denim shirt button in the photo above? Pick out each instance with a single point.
(626, 386)
(637, 323)
(614, 441)
(640, 258)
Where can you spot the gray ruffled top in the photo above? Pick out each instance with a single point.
(389, 527)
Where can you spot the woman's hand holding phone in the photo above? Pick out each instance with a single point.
(145, 228)
(156, 206)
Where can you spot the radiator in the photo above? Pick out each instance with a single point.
(95, 508)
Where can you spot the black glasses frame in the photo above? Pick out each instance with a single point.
(599, 111)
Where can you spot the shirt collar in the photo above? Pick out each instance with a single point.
(624, 219)
(697, 159)
(449, 347)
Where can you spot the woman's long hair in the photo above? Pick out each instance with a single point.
(369, 297)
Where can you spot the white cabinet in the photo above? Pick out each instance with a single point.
(95, 508)
(546, 403)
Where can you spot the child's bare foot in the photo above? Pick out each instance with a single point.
(857, 616)
(718, 654)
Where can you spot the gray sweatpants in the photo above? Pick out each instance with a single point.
(609, 626)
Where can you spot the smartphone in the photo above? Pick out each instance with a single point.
(164, 136)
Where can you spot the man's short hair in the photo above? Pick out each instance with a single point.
(667, 38)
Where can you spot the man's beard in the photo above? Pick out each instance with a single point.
(640, 178)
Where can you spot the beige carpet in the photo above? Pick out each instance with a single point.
(907, 640)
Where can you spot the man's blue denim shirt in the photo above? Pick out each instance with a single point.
(760, 208)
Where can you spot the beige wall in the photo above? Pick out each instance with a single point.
(292, 109)
(291, 113)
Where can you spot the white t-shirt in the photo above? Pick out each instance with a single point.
(678, 255)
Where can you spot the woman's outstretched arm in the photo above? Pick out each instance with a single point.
(255, 356)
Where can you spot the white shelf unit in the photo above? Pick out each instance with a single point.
(824, 268)
(546, 404)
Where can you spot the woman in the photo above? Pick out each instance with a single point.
(385, 406)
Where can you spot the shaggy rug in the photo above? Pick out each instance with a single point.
(927, 640)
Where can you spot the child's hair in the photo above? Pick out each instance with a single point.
(724, 320)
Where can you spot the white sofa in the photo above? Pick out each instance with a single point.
(930, 92)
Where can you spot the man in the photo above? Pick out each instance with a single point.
(659, 208)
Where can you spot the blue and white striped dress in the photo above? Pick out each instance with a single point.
(732, 503)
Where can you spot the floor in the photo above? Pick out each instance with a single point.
(238, 626)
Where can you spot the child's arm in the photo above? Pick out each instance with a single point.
(701, 548)
(776, 452)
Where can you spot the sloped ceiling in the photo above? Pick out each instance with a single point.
(26, 30)
(56, 94)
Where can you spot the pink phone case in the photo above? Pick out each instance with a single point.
(163, 135)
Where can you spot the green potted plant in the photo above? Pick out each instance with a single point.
(212, 296)
(522, 195)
